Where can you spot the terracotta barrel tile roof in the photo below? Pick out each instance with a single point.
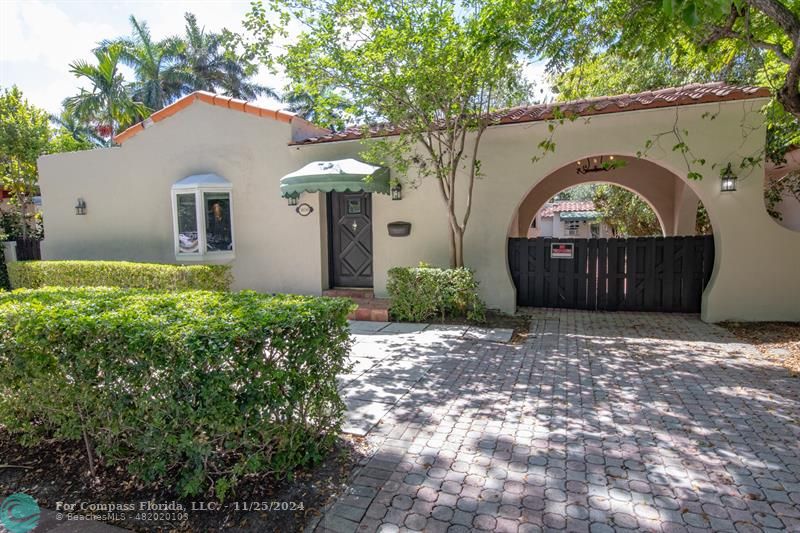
(208, 98)
(551, 209)
(699, 93)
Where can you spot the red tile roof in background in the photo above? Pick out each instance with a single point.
(549, 210)
(699, 93)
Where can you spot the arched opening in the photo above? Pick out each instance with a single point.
(671, 199)
(596, 210)
(622, 237)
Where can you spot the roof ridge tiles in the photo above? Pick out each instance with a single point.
(693, 93)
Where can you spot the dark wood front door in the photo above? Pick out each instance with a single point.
(351, 239)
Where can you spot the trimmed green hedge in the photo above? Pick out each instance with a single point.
(36, 274)
(195, 388)
(423, 292)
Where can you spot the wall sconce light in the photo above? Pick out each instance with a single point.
(80, 207)
(293, 199)
(728, 180)
(397, 192)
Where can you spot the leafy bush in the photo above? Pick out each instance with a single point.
(195, 388)
(36, 274)
(420, 293)
(11, 226)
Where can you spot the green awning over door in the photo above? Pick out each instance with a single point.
(342, 175)
(579, 215)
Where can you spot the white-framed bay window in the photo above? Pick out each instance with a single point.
(202, 212)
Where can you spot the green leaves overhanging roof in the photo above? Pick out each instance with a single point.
(340, 176)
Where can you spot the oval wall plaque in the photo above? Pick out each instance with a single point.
(304, 210)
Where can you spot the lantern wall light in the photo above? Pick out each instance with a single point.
(728, 180)
(80, 207)
(397, 192)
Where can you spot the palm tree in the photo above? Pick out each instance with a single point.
(159, 77)
(200, 57)
(306, 105)
(234, 83)
(108, 105)
(76, 128)
(208, 66)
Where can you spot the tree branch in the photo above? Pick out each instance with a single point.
(780, 14)
(727, 32)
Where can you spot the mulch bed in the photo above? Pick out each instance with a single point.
(777, 341)
(57, 472)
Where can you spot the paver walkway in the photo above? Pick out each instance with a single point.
(598, 422)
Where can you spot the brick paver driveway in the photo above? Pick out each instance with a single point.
(598, 422)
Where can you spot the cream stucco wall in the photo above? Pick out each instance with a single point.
(127, 191)
(129, 211)
(756, 265)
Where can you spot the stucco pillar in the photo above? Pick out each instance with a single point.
(10, 251)
(685, 214)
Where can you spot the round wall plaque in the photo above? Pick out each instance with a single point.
(304, 210)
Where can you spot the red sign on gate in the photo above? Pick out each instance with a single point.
(562, 250)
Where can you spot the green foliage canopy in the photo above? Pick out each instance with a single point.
(26, 134)
(625, 213)
(430, 68)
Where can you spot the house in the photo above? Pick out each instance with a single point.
(288, 204)
(577, 219)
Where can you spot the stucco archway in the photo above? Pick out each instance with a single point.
(745, 284)
(674, 204)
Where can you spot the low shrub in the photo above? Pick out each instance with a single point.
(423, 292)
(36, 274)
(196, 388)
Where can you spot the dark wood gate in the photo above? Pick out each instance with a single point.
(637, 274)
(29, 250)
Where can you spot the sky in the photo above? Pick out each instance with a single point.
(40, 38)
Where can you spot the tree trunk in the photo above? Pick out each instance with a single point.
(789, 94)
(458, 240)
(23, 221)
(452, 241)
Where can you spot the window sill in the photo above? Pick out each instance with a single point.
(212, 257)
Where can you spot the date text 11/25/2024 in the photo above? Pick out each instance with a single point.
(246, 506)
